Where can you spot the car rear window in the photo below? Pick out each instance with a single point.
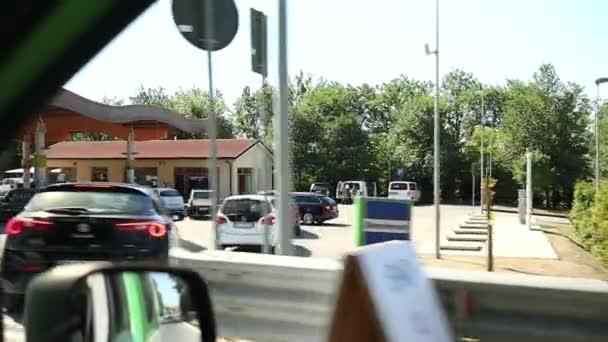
(169, 193)
(399, 186)
(246, 207)
(201, 195)
(320, 187)
(307, 199)
(328, 200)
(412, 186)
(95, 201)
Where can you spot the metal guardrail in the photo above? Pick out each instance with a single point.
(280, 298)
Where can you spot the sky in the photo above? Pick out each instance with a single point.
(363, 41)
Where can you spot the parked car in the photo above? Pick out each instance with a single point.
(75, 222)
(321, 188)
(315, 208)
(173, 202)
(199, 204)
(8, 184)
(361, 188)
(273, 194)
(242, 219)
(404, 190)
(14, 202)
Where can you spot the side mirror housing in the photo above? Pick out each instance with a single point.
(118, 302)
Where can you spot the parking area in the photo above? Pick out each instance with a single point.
(336, 237)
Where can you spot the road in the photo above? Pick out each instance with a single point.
(337, 236)
(179, 331)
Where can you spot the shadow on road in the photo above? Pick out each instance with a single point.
(191, 246)
(199, 218)
(301, 251)
(305, 234)
(331, 224)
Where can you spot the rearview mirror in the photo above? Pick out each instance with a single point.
(105, 302)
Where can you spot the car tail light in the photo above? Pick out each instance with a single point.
(269, 220)
(155, 229)
(17, 225)
(220, 220)
(30, 268)
(327, 207)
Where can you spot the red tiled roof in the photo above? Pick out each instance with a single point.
(151, 149)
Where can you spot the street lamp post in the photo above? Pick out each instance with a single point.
(597, 136)
(436, 184)
(481, 177)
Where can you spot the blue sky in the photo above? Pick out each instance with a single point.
(357, 41)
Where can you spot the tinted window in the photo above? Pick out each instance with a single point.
(169, 193)
(97, 201)
(201, 195)
(320, 187)
(246, 207)
(19, 195)
(399, 186)
(353, 185)
(307, 199)
(328, 200)
(412, 186)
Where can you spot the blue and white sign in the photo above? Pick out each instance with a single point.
(380, 220)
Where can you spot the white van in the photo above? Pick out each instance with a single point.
(365, 189)
(404, 190)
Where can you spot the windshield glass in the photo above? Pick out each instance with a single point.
(320, 187)
(95, 201)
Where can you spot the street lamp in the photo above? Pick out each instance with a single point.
(481, 178)
(436, 132)
(597, 136)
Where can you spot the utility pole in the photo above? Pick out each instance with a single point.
(436, 173)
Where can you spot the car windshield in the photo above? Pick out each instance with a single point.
(94, 201)
(201, 195)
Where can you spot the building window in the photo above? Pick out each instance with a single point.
(144, 175)
(99, 174)
(244, 180)
(62, 175)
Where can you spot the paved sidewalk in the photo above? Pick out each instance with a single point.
(514, 240)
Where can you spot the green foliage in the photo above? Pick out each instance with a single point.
(584, 193)
(599, 219)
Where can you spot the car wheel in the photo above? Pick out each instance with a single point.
(308, 218)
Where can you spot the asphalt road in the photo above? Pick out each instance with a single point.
(336, 237)
(179, 331)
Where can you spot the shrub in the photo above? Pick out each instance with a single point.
(584, 194)
(599, 221)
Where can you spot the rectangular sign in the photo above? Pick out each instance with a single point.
(381, 219)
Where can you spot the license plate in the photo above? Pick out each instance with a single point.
(243, 225)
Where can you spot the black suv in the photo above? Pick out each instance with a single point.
(14, 202)
(315, 208)
(68, 223)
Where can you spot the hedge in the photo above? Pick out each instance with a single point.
(590, 216)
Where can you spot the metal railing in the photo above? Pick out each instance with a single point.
(281, 298)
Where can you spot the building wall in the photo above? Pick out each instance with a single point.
(116, 168)
(260, 160)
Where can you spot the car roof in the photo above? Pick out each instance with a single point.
(136, 187)
(201, 190)
(305, 193)
(254, 197)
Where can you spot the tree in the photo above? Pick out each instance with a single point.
(551, 118)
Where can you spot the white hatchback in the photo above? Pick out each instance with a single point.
(242, 220)
(404, 190)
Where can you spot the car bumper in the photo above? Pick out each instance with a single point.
(18, 270)
(243, 239)
(200, 211)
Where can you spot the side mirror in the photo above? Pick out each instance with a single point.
(107, 302)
